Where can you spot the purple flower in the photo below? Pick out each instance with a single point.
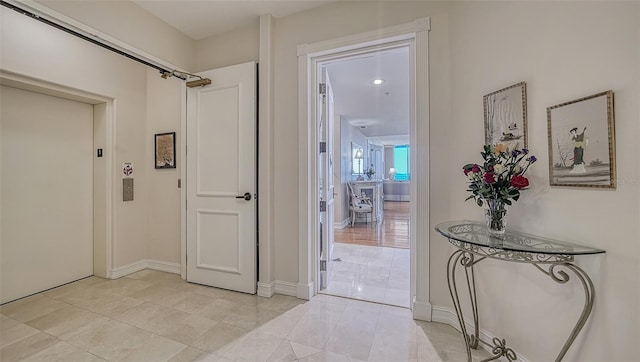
(475, 168)
(525, 150)
(515, 153)
(532, 159)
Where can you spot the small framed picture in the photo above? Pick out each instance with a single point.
(505, 116)
(165, 150)
(582, 142)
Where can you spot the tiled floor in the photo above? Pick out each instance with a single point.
(155, 316)
(370, 273)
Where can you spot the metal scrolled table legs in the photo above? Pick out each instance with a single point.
(498, 347)
(589, 294)
(469, 340)
(468, 260)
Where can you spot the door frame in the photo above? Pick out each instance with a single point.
(103, 179)
(326, 109)
(414, 35)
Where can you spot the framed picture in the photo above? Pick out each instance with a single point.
(165, 150)
(582, 142)
(505, 116)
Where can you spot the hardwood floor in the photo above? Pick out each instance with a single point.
(392, 232)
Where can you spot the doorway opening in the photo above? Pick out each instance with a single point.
(414, 35)
(364, 175)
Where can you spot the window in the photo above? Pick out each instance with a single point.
(401, 162)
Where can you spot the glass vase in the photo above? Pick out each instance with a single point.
(495, 215)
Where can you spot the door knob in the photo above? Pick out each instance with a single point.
(246, 196)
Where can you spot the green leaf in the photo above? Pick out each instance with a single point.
(479, 202)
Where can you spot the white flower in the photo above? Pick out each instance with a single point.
(499, 169)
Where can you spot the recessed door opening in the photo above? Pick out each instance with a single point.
(54, 209)
(364, 175)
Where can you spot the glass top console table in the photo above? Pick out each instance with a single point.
(552, 257)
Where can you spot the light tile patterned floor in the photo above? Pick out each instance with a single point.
(370, 273)
(156, 316)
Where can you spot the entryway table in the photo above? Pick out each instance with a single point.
(552, 257)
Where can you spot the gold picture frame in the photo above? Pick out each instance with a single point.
(505, 116)
(582, 142)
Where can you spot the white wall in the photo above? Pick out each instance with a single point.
(348, 134)
(352, 135)
(131, 24)
(389, 160)
(234, 47)
(563, 51)
(164, 112)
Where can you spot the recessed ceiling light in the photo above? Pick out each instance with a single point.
(378, 81)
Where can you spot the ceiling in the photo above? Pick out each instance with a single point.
(200, 19)
(379, 111)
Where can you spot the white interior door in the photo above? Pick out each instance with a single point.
(221, 170)
(46, 192)
(326, 172)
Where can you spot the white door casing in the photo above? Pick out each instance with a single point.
(327, 188)
(415, 35)
(221, 166)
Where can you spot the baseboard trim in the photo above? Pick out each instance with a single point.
(448, 316)
(159, 265)
(285, 288)
(343, 224)
(266, 289)
(422, 311)
(121, 271)
(303, 291)
(164, 266)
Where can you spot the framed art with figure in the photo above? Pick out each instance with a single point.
(505, 116)
(165, 150)
(582, 142)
